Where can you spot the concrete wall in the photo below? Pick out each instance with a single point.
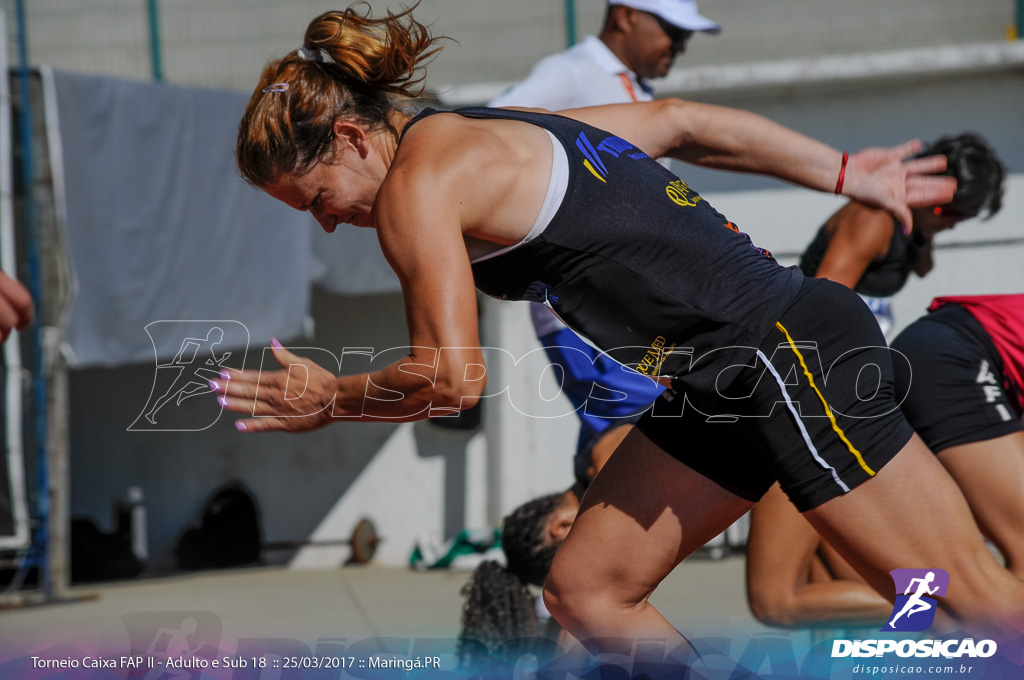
(224, 43)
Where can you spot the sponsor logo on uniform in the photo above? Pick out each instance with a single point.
(613, 146)
(591, 160)
(651, 363)
(681, 194)
(616, 146)
(993, 391)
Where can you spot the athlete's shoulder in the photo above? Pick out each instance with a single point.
(430, 145)
(440, 137)
(441, 153)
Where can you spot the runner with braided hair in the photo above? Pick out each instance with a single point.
(499, 606)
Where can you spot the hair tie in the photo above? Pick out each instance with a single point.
(309, 54)
(276, 87)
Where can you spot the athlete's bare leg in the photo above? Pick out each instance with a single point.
(912, 514)
(642, 515)
(991, 475)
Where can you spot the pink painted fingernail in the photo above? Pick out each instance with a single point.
(275, 344)
(906, 229)
(223, 401)
(240, 426)
(215, 386)
(225, 375)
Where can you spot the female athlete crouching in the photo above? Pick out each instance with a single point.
(571, 210)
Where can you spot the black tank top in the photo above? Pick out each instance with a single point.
(636, 261)
(883, 277)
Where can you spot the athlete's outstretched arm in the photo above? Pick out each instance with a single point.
(731, 139)
(420, 234)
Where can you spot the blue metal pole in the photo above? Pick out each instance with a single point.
(570, 22)
(1020, 19)
(155, 47)
(39, 379)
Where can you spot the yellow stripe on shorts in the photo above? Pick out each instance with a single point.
(828, 411)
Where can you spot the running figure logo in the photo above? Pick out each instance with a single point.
(199, 352)
(915, 608)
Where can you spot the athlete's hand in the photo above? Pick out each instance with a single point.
(881, 177)
(16, 308)
(296, 399)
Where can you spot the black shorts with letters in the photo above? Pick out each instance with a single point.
(953, 377)
(812, 407)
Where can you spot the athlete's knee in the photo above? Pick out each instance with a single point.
(575, 597)
(564, 597)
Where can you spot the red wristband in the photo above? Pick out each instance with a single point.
(842, 174)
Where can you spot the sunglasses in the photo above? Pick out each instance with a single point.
(951, 213)
(678, 36)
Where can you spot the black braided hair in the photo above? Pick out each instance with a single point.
(498, 606)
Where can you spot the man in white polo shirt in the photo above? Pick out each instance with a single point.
(639, 41)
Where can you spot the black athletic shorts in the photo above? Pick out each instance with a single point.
(954, 382)
(813, 407)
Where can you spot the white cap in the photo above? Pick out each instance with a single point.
(681, 13)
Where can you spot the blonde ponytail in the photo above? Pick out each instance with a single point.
(385, 54)
(370, 65)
